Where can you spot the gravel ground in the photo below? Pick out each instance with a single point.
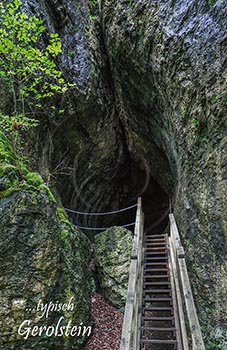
(107, 326)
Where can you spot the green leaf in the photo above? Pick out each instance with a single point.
(27, 70)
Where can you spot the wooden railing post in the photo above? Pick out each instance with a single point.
(129, 337)
(182, 279)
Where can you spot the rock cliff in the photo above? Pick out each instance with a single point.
(148, 117)
(44, 262)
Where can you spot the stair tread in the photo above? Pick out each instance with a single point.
(158, 341)
(161, 291)
(155, 236)
(158, 308)
(156, 254)
(158, 264)
(156, 249)
(158, 318)
(156, 270)
(150, 240)
(156, 283)
(155, 242)
(157, 299)
(158, 329)
(156, 276)
(155, 239)
(157, 257)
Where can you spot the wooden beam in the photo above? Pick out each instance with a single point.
(179, 255)
(129, 335)
(179, 298)
(197, 340)
(175, 305)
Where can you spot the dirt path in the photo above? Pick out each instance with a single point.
(108, 325)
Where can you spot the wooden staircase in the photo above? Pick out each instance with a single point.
(159, 328)
(159, 300)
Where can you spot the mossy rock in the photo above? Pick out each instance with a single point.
(36, 266)
(34, 179)
(113, 255)
(15, 175)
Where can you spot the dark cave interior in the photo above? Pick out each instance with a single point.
(132, 181)
(139, 183)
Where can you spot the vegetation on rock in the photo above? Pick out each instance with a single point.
(27, 70)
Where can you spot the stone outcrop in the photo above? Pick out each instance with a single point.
(112, 256)
(44, 260)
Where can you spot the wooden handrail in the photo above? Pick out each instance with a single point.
(177, 256)
(129, 337)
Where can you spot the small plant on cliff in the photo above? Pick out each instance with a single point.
(93, 5)
(28, 73)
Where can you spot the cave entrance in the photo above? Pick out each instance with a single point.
(116, 182)
(138, 182)
(133, 179)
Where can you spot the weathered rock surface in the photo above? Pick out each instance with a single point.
(169, 66)
(112, 255)
(43, 259)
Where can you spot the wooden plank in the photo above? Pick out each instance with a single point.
(140, 285)
(129, 336)
(174, 231)
(137, 313)
(175, 305)
(129, 308)
(137, 229)
(179, 298)
(197, 340)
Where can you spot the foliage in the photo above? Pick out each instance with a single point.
(34, 179)
(62, 216)
(215, 338)
(198, 130)
(222, 97)
(93, 4)
(27, 72)
(142, 25)
(14, 175)
(6, 151)
(211, 3)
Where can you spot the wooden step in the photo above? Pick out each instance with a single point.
(151, 254)
(155, 249)
(154, 236)
(158, 318)
(156, 276)
(151, 243)
(158, 341)
(157, 291)
(155, 240)
(156, 270)
(156, 258)
(158, 308)
(157, 299)
(156, 283)
(158, 329)
(154, 263)
(162, 245)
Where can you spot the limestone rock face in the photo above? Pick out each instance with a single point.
(168, 61)
(112, 254)
(44, 260)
